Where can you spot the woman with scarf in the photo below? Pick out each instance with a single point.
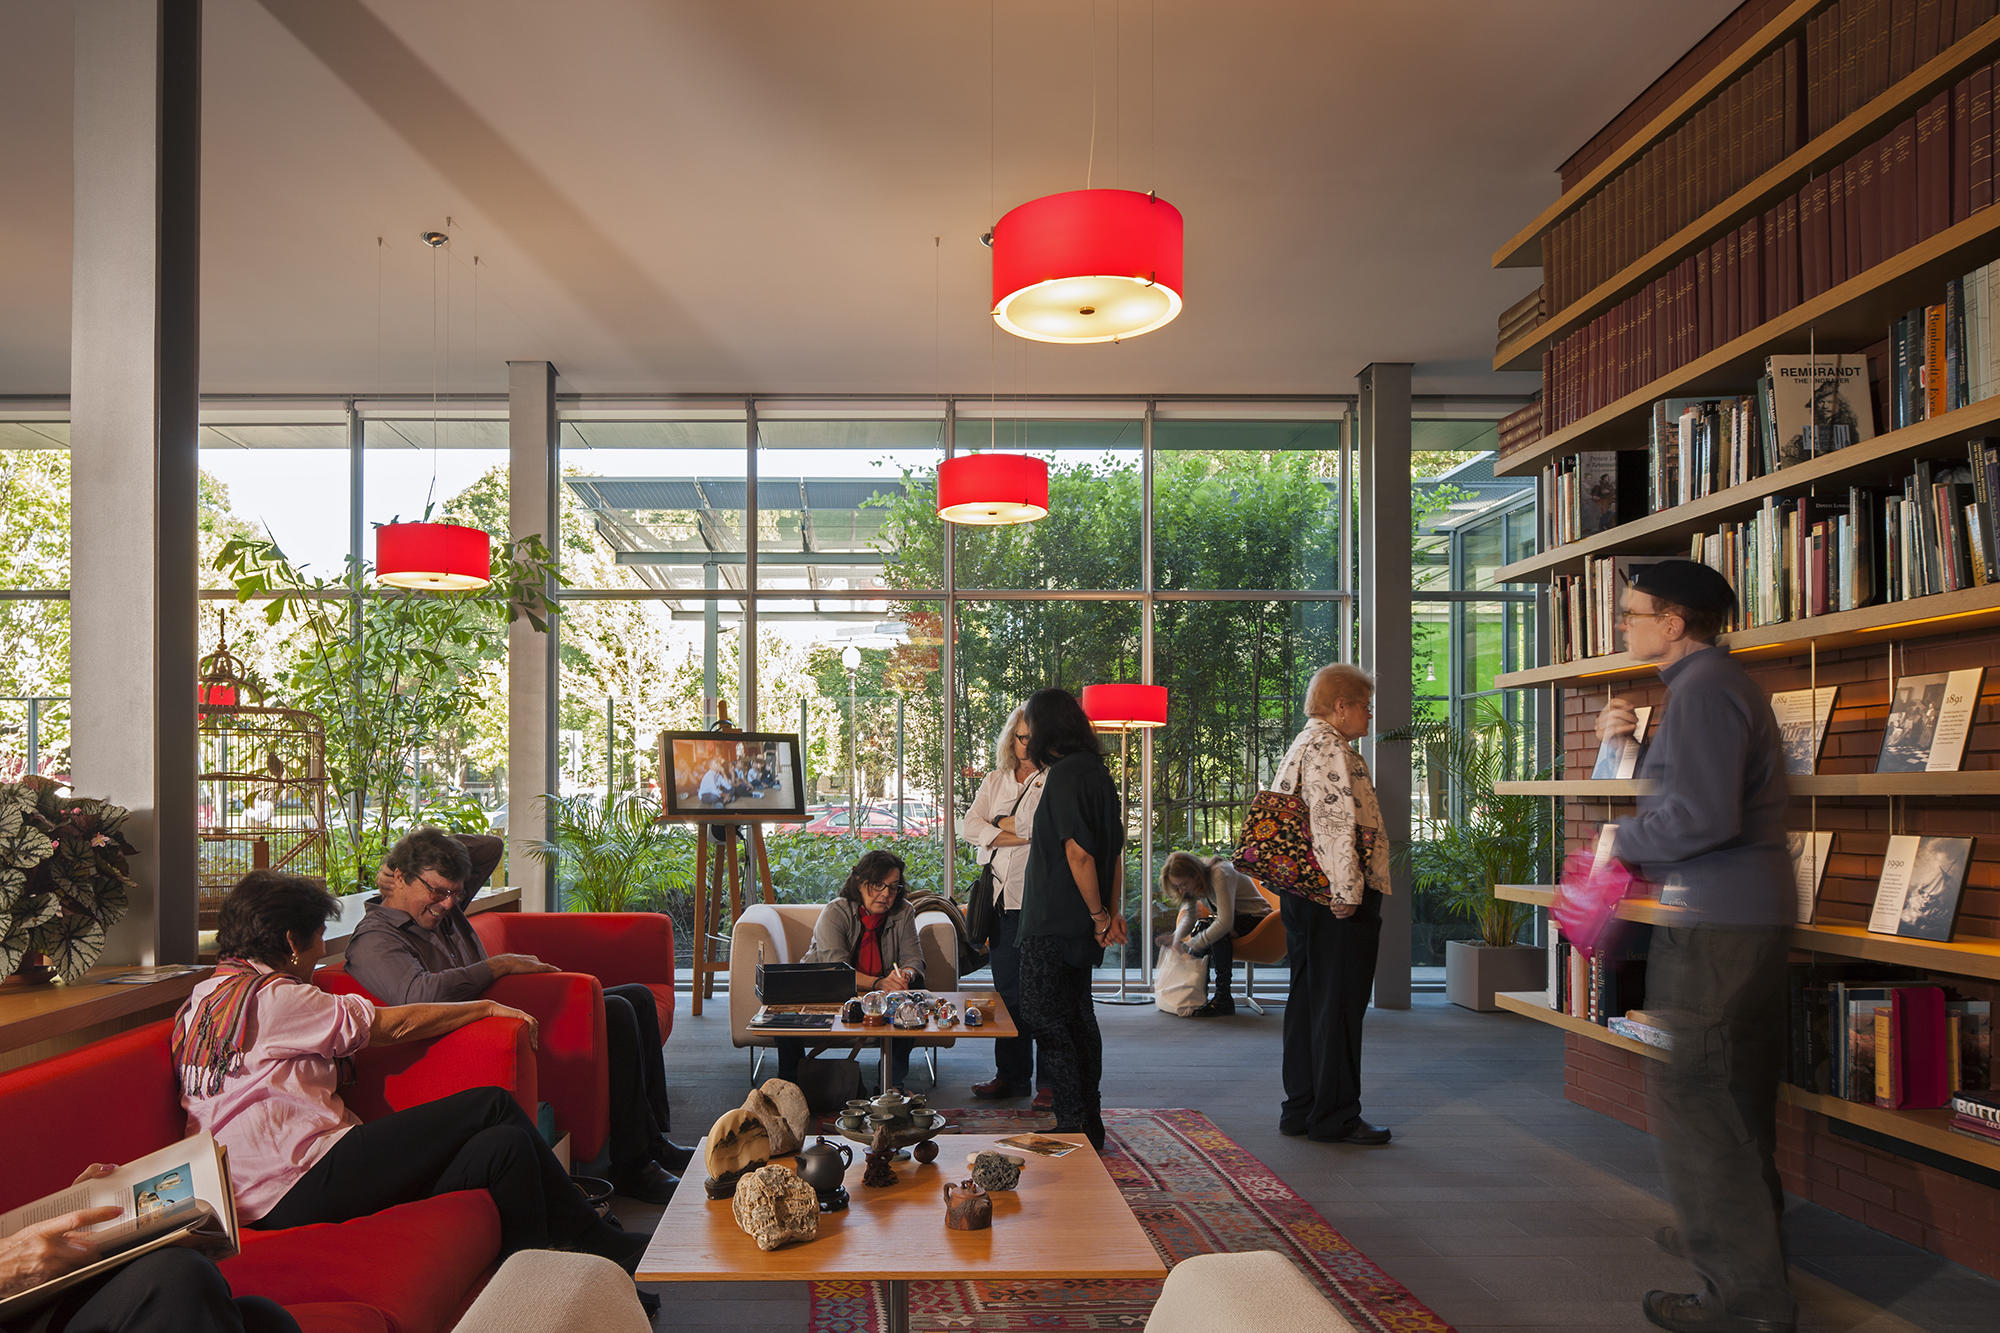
(1331, 948)
(260, 1052)
(871, 926)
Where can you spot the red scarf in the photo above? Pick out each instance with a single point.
(209, 1037)
(868, 956)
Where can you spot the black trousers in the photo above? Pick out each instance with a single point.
(168, 1291)
(1013, 1057)
(1721, 992)
(476, 1139)
(1333, 975)
(638, 1093)
(1056, 1004)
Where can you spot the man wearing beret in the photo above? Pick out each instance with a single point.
(1712, 834)
(415, 946)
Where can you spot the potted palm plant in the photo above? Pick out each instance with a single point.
(611, 855)
(1490, 839)
(63, 879)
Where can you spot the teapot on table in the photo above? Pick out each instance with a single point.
(967, 1207)
(824, 1164)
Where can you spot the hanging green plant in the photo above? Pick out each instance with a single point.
(63, 875)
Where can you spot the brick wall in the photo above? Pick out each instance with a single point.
(1943, 1213)
(1861, 825)
(1946, 1214)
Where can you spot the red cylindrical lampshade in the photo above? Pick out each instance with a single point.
(438, 557)
(988, 489)
(1125, 705)
(1087, 266)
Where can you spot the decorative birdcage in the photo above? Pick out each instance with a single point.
(261, 792)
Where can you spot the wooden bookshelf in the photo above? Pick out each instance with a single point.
(1912, 618)
(1929, 1129)
(1962, 957)
(1525, 249)
(1884, 459)
(1535, 1004)
(1835, 145)
(1976, 782)
(1856, 313)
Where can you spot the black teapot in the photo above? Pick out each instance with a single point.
(823, 1165)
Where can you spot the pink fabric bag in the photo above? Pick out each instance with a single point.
(1587, 898)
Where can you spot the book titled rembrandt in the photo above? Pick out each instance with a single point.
(178, 1195)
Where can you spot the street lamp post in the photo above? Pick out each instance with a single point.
(850, 657)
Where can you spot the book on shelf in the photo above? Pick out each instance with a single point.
(1619, 758)
(1980, 1108)
(1922, 878)
(1584, 494)
(1930, 718)
(177, 1196)
(1819, 405)
(1638, 1025)
(1808, 849)
(1803, 716)
(1914, 1037)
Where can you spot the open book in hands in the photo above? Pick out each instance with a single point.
(176, 1196)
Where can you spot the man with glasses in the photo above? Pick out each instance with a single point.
(415, 946)
(1713, 830)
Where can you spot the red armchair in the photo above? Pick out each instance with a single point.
(618, 948)
(117, 1099)
(573, 1072)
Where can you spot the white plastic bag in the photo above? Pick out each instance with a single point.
(1180, 982)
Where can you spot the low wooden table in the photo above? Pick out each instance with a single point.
(1066, 1220)
(998, 1023)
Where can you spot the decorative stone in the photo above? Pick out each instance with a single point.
(791, 1103)
(775, 1208)
(995, 1171)
(737, 1144)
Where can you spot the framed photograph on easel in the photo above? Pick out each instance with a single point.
(732, 777)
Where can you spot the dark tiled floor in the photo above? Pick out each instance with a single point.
(1500, 1205)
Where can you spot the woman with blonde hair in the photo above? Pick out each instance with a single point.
(1235, 907)
(1331, 949)
(997, 823)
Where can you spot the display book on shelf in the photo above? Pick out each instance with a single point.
(1875, 543)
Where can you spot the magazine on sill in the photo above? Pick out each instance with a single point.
(176, 1196)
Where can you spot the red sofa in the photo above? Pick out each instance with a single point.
(410, 1269)
(573, 1072)
(618, 948)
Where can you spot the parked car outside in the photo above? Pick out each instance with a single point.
(874, 821)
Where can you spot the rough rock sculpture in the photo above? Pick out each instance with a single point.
(775, 1208)
(791, 1100)
(993, 1171)
(737, 1143)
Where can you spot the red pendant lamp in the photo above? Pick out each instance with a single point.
(433, 557)
(1122, 706)
(987, 490)
(1087, 266)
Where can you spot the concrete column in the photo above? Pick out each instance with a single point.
(135, 338)
(532, 679)
(1384, 593)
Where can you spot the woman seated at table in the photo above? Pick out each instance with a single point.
(260, 1051)
(871, 926)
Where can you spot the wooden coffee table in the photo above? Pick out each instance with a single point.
(997, 1024)
(1066, 1220)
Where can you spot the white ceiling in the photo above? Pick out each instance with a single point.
(742, 195)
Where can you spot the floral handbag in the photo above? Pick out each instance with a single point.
(1276, 846)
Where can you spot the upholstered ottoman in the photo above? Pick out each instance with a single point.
(1254, 1289)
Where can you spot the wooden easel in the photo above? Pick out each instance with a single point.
(708, 897)
(708, 881)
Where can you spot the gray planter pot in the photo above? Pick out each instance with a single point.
(1474, 972)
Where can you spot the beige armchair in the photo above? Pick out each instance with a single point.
(782, 933)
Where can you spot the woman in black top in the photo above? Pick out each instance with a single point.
(1068, 899)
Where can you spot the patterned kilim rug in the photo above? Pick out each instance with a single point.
(1196, 1192)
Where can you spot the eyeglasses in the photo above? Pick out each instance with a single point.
(1627, 616)
(1021, 736)
(437, 890)
(882, 888)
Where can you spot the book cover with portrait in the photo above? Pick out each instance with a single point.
(1820, 404)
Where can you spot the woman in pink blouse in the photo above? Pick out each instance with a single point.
(260, 1051)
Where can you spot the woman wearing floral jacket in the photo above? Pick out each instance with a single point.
(1331, 950)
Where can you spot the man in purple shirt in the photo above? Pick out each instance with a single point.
(415, 946)
(1711, 833)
